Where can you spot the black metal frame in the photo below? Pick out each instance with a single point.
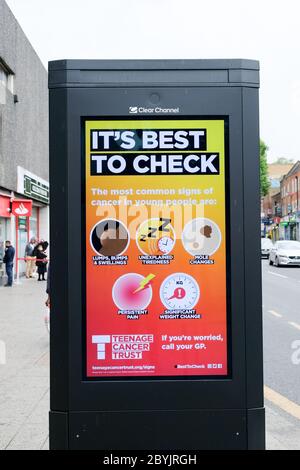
(231, 409)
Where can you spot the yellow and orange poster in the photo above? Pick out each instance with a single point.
(155, 217)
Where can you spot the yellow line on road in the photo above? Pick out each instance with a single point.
(275, 313)
(295, 325)
(282, 402)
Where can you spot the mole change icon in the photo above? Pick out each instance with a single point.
(156, 237)
(179, 291)
(133, 291)
(109, 237)
(201, 237)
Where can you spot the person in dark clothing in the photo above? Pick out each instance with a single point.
(45, 245)
(8, 260)
(41, 262)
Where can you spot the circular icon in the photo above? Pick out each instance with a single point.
(155, 237)
(179, 291)
(201, 237)
(132, 292)
(166, 244)
(109, 237)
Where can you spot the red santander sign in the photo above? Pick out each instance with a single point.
(21, 208)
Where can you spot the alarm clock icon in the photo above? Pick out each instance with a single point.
(166, 244)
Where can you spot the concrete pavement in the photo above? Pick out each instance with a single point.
(24, 382)
(24, 378)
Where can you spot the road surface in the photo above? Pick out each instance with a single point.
(281, 314)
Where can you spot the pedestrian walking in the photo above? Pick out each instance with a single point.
(30, 257)
(8, 260)
(41, 262)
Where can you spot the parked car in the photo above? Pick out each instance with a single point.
(266, 247)
(285, 253)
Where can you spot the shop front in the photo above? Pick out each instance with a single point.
(275, 230)
(21, 219)
(294, 226)
(293, 230)
(289, 227)
(26, 228)
(35, 189)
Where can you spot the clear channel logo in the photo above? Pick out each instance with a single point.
(155, 110)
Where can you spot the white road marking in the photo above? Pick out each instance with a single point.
(282, 402)
(275, 313)
(279, 275)
(295, 325)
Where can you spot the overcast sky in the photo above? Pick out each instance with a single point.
(168, 29)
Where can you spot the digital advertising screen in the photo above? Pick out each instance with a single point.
(154, 205)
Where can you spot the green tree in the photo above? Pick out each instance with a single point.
(264, 177)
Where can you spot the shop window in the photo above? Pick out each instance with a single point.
(33, 223)
(6, 79)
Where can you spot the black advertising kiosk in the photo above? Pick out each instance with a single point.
(156, 328)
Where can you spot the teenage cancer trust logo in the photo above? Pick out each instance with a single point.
(101, 341)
